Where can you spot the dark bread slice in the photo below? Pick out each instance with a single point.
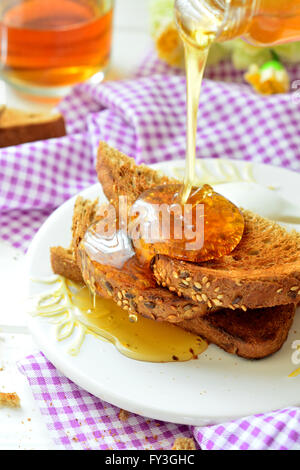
(18, 127)
(130, 287)
(262, 271)
(119, 175)
(252, 334)
(63, 262)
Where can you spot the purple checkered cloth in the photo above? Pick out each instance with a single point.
(78, 420)
(145, 118)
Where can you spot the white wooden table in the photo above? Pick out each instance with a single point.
(24, 428)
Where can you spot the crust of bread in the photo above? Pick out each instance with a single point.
(85, 212)
(262, 271)
(119, 175)
(18, 127)
(128, 287)
(64, 264)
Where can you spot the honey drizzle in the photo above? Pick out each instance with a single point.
(195, 61)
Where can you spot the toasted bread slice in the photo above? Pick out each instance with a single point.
(130, 286)
(120, 176)
(18, 127)
(64, 263)
(262, 271)
(252, 334)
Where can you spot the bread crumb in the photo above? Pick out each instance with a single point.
(184, 443)
(123, 415)
(9, 399)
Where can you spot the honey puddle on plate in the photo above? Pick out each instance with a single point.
(136, 337)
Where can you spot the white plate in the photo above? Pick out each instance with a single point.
(215, 388)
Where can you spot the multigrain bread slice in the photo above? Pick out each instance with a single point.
(18, 127)
(130, 286)
(254, 334)
(64, 263)
(119, 175)
(262, 271)
(251, 334)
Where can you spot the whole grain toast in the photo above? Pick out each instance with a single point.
(262, 271)
(251, 334)
(18, 127)
(119, 175)
(130, 286)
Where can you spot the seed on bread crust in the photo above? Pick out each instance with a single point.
(184, 275)
(172, 318)
(188, 307)
(217, 302)
(150, 305)
(183, 286)
(236, 300)
(128, 295)
(109, 287)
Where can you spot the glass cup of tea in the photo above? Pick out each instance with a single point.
(46, 46)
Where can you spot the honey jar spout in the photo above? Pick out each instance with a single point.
(259, 22)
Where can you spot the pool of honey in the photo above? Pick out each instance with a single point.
(138, 338)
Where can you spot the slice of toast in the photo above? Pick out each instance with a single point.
(130, 286)
(18, 127)
(262, 271)
(251, 334)
(64, 263)
(119, 175)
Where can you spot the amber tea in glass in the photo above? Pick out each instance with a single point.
(46, 46)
